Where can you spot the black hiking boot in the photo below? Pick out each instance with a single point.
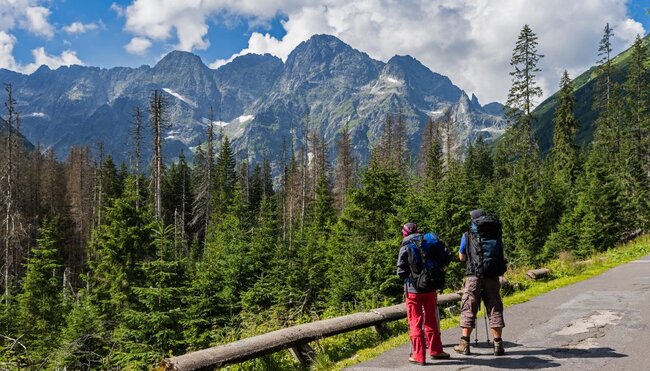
(498, 348)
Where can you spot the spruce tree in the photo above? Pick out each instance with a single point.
(635, 154)
(563, 167)
(111, 180)
(564, 151)
(225, 176)
(120, 245)
(478, 162)
(360, 261)
(221, 276)
(523, 207)
(598, 217)
(151, 327)
(40, 303)
(312, 251)
(604, 100)
(177, 198)
(431, 155)
(85, 343)
(523, 93)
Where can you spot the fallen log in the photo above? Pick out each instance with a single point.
(536, 274)
(288, 338)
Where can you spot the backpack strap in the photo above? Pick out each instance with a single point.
(411, 247)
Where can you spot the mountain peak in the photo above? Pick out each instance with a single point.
(420, 79)
(43, 68)
(404, 60)
(322, 46)
(475, 100)
(324, 56)
(325, 39)
(177, 59)
(252, 59)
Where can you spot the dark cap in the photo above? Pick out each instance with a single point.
(475, 214)
(409, 228)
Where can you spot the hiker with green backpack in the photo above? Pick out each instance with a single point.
(421, 263)
(481, 247)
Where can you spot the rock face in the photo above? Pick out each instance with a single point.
(258, 100)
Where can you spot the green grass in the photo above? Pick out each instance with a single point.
(564, 271)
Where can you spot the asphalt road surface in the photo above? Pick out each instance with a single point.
(599, 324)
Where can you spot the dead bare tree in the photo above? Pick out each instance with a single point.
(204, 189)
(345, 164)
(447, 125)
(159, 122)
(137, 141)
(9, 179)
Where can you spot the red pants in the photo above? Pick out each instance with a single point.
(423, 324)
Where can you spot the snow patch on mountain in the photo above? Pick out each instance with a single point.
(393, 80)
(436, 112)
(495, 131)
(244, 119)
(180, 97)
(36, 114)
(205, 121)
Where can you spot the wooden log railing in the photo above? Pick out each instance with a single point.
(296, 338)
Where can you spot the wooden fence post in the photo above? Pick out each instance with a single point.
(304, 354)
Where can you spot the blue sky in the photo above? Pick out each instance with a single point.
(104, 46)
(468, 41)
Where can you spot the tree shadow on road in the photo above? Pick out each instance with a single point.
(600, 352)
(519, 357)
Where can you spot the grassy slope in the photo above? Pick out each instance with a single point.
(584, 94)
(565, 271)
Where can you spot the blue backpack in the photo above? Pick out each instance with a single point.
(426, 262)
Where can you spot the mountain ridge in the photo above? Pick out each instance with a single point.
(257, 99)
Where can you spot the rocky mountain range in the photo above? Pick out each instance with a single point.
(257, 99)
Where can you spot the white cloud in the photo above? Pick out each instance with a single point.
(138, 45)
(470, 41)
(36, 21)
(119, 10)
(79, 27)
(187, 21)
(30, 16)
(7, 42)
(67, 58)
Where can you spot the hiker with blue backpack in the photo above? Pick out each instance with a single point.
(481, 247)
(421, 263)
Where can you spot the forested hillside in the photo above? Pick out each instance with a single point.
(106, 266)
(584, 86)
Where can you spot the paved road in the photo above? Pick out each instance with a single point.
(599, 324)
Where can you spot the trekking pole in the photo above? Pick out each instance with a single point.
(438, 322)
(487, 334)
